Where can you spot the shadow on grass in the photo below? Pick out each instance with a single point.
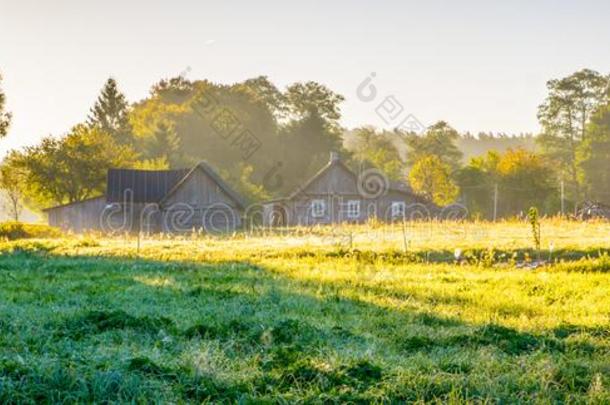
(287, 326)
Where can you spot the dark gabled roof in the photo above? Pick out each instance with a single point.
(214, 176)
(154, 186)
(145, 186)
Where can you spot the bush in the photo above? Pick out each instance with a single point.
(18, 230)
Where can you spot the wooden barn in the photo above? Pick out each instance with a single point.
(171, 201)
(336, 194)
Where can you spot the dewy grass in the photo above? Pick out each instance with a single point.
(288, 318)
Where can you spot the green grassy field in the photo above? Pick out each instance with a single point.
(357, 314)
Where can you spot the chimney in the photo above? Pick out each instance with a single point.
(334, 157)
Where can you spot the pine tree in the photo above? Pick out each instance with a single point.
(111, 113)
(164, 143)
(5, 117)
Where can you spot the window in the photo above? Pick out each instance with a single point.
(353, 209)
(318, 208)
(398, 209)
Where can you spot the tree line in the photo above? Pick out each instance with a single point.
(266, 141)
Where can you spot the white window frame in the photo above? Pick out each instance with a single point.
(353, 209)
(318, 208)
(398, 209)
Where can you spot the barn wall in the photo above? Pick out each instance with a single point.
(414, 208)
(336, 186)
(200, 204)
(97, 215)
(78, 217)
(298, 210)
(131, 218)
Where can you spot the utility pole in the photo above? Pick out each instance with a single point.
(563, 196)
(495, 202)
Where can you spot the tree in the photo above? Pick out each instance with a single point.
(225, 125)
(311, 98)
(164, 144)
(525, 180)
(375, 149)
(306, 146)
(11, 184)
(72, 168)
(594, 157)
(430, 177)
(564, 116)
(439, 140)
(251, 191)
(5, 117)
(111, 113)
(246, 124)
(476, 182)
(267, 93)
(312, 133)
(151, 164)
(174, 90)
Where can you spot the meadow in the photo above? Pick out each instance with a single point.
(421, 312)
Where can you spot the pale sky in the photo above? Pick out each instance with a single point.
(480, 65)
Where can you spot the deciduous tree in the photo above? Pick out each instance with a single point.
(313, 131)
(439, 140)
(477, 180)
(311, 98)
(72, 168)
(564, 116)
(5, 117)
(376, 149)
(431, 178)
(594, 157)
(525, 180)
(12, 186)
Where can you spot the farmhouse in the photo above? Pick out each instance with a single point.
(336, 194)
(170, 201)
